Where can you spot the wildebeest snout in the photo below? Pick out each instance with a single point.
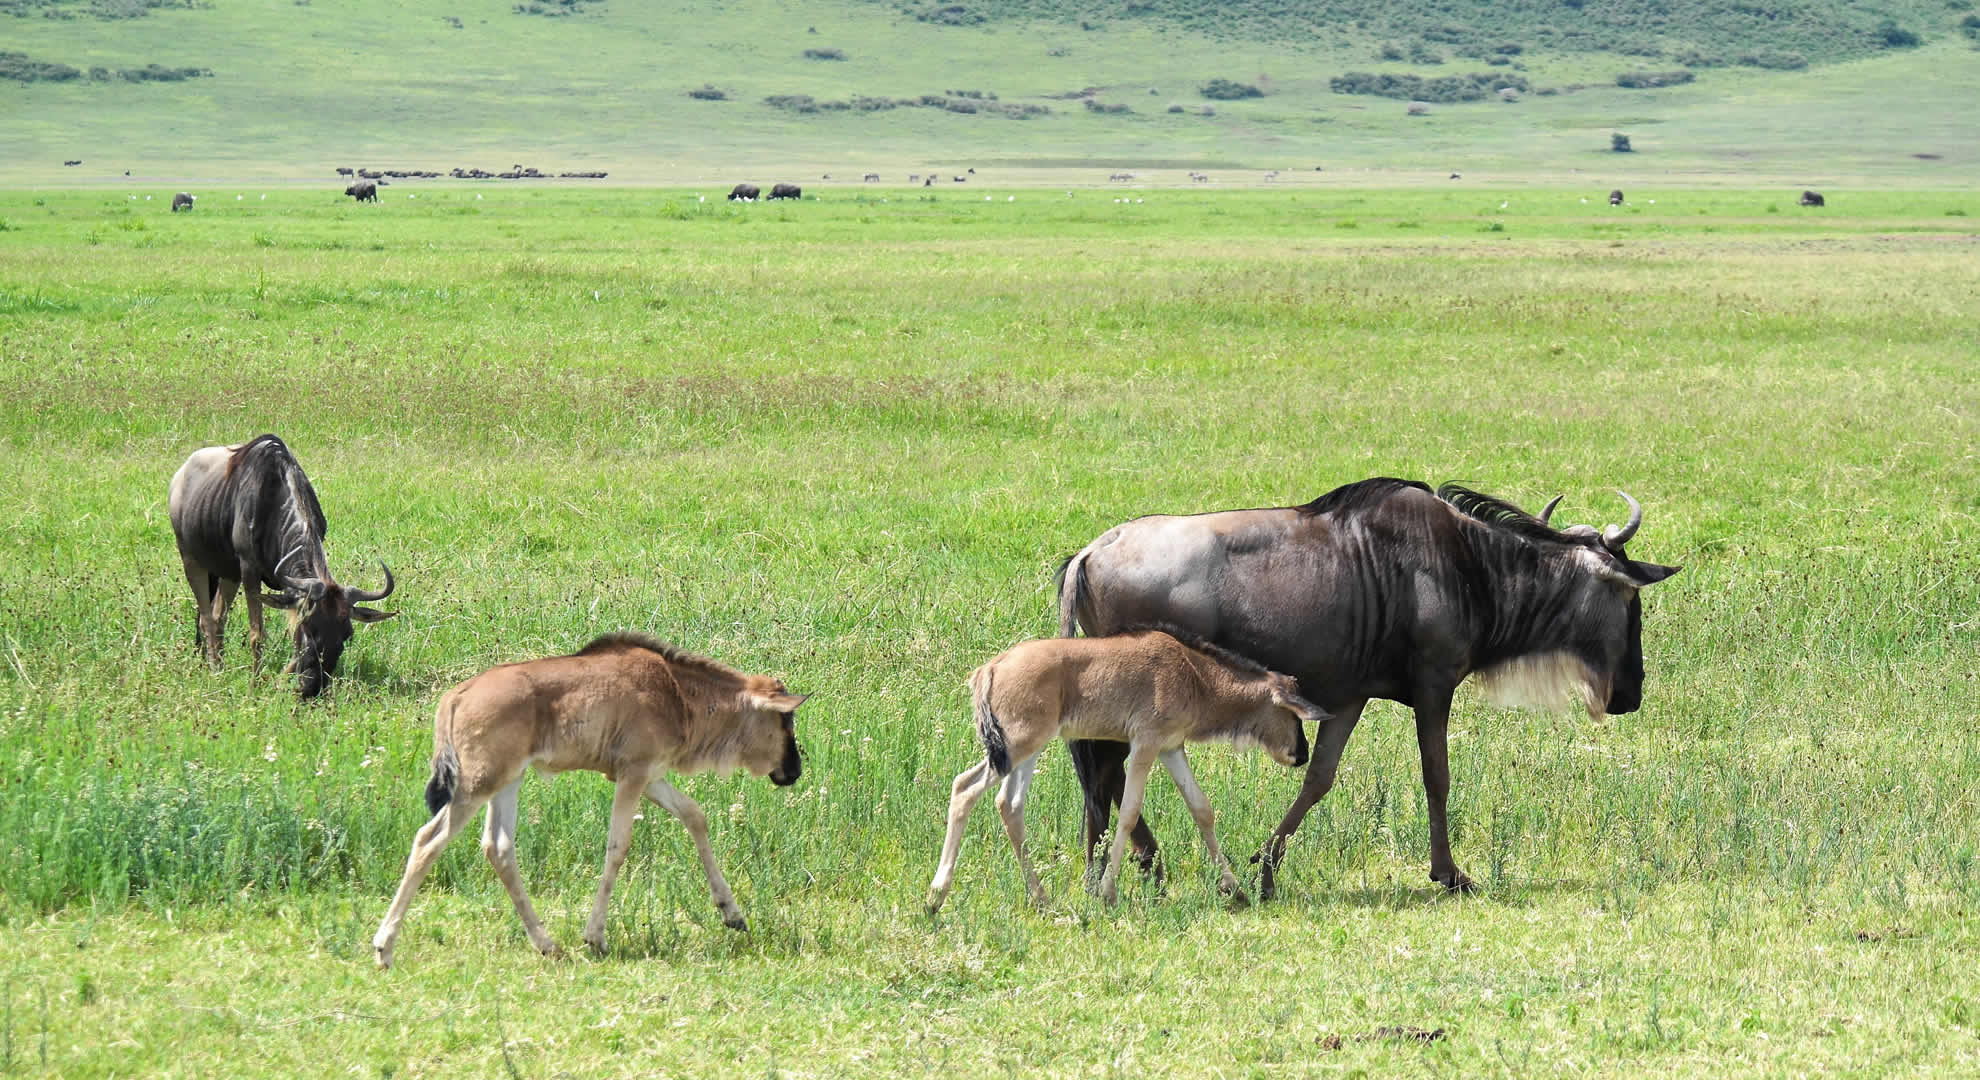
(787, 771)
(1299, 744)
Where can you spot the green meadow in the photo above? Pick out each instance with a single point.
(846, 441)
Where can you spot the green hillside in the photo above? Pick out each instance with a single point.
(1040, 91)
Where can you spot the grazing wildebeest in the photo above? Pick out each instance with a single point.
(870, 177)
(744, 192)
(363, 191)
(245, 516)
(343, 170)
(786, 191)
(1812, 198)
(625, 705)
(1615, 197)
(1377, 589)
(77, 161)
(181, 201)
(1152, 689)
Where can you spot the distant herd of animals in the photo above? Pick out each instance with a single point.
(1242, 626)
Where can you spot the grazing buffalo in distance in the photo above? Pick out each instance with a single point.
(786, 191)
(744, 192)
(245, 516)
(1616, 197)
(1149, 688)
(1812, 198)
(1377, 589)
(182, 201)
(363, 191)
(625, 705)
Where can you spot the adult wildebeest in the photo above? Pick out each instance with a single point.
(744, 192)
(247, 516)
(786, 191)
(871, 177)
(181, 201)
(1615, 197)
(363, 191)
(1812, 198)
(1152, 689)
(1376, 589)
(343, 170)
(625, 705)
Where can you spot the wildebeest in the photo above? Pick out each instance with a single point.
(1148, 688)
(1812, 198)
(744, 192)
(625, 705)
(871, 177)
(76, 161)
(363, 191)
(181, 201)
(343, 170)
(247, 516)
(786, 191)
(1616, 197)
(1376, 589)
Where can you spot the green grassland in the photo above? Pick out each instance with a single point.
(845, 441)
(298, 88)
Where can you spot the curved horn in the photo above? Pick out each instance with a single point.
(275, 575)
(1614, 537)
(361, 596)
(1547, 511)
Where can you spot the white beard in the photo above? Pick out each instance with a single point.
(1543, 681)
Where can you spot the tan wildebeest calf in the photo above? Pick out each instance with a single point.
(625, 705)
(1144, 687)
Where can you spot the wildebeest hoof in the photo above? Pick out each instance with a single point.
(383, 956)
(1455, 881)
(736, 922)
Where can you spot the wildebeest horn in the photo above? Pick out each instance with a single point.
(276, 574)
(1614, 537)
(361, 596)
(1547, 511)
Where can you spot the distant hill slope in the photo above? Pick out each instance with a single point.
(1722, 30)
(692, 89)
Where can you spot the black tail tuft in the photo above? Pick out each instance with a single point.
(995, 749)
(446, 773)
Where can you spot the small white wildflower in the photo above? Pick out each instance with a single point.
(268, 753)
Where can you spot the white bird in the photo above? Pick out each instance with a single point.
(238, 198)
(1653, 202)
(147, 198)
(697, 198)
(986, 198)
(1010, 198)
(1137, 202)
(477, 194)
(264, 198)
(1503, 205)
(1584, 202)
(412, 196)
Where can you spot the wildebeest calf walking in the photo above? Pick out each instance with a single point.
(1144, 687)
(625, 705)
(182, 201)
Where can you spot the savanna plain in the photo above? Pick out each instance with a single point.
(846, 441)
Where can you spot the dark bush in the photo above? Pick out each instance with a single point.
(1105, 107)
(1420, 53)
(824, 54)
(1970, 26)
(1226, 90)
(160, 73)
(1498, 61)
(21, 68)
(1892, 36)
(1773, 61)
(1510, 48)
(1619, 143)
(1692, 58)
(1445, 89)
(1650, 80)
(948, 15)
(1175, 108)
(708, 92)
(553, 8)
(1391, 52)
(802, 103)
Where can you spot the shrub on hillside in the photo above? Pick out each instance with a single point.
(1390, 52)
(1651, 80)
(1445, 89)
(802, 103)
(1773, 61)
(1619, 143)
(161, 73)
(1970, 26)
(552, 8)
(22, 68)
(1892, 36)
(1692, 58)
(1421, 53)
(1226, 90)
(1106, 107)
(824, 54)
(708, 92)
(946, 15)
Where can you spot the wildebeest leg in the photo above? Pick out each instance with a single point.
(255, 634)
(1010, 807)
(223, 602)
(969, 786)
(1329, 741)
(618, 841)
(689, 812)
(202, 588)
(1206, 818)
(1433, 713)
(498, 842)
(1102, 774)
(427, 845)
(1139, 761)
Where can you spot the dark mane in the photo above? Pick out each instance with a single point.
(1215, 652)
(1359, 495)
(633, 639)
(259, 446)
(1498, 513)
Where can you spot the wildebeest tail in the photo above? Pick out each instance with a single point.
(1072, 576)
(995, 748)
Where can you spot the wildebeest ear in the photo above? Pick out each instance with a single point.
(365, 614)
(1649, 573)
(778, 702)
